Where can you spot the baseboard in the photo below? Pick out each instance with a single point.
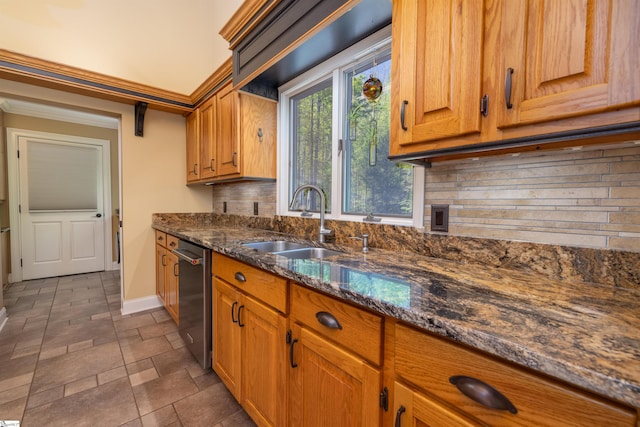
(3, 317)
(141, 304)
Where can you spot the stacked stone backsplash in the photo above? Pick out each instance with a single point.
(607, 267)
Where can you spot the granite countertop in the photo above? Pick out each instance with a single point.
(585, 334)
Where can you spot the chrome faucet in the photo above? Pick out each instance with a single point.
(323, 202)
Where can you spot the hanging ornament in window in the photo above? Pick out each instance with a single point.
(372, 89)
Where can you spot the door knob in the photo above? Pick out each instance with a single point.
(99, 215)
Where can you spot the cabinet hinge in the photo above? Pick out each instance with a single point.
(18, 153)
(20, 262)
(340, 146)
(384, 399)
(19, 208)
(484, 106)
(289, 336)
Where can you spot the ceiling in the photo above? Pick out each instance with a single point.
(171, 45)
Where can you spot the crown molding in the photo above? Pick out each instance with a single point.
(219, 77)
(39, 72)
(248, 15)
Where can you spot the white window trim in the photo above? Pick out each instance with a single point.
(333, 68)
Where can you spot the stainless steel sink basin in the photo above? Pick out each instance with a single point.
(292, 249)
(275, 246)
(309, 253)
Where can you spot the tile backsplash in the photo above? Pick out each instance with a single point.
(571, 215)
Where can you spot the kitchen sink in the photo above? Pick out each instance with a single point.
(292, 249)
(276, 246)
(309, 253)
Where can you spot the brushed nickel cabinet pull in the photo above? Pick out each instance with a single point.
(240, 277)
(482, 393)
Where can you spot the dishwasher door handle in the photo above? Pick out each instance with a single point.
(187, 256)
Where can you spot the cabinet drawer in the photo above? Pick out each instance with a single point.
(172, 242)
(358, 330)
(429, 362)
(265, 286)
(161, 238)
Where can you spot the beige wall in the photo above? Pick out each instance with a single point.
(573, 198)
(153, 177)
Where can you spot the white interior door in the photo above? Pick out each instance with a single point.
(61, 205)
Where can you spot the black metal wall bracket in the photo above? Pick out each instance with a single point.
(141, 108)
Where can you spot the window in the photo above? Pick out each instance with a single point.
(334, 136)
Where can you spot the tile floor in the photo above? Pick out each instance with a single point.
(69, 358)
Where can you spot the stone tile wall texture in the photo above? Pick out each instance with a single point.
(586, 199)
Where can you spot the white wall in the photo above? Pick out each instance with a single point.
(153, 178)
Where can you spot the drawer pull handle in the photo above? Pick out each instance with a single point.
(293, 364)
(240, 311)
(401, 410)
(507, 88)
(233, 307)
(402, 112)
(328, 320)
(482, 393)
(240, 277)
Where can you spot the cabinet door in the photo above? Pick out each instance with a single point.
(207, 138)
(329, 386)
(436, 71)
(226, 336)
(228, 132)
(161, 271)
(264, 358)
(568, 58)
(413, 409)
(193, 144)
(171, 296)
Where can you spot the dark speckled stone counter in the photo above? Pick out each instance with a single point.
(585, 334)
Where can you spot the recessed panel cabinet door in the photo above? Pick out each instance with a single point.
(208, 139)
(329, 386)
(193, 146)
(413, 409)
(228, 133)
(567, 58)
(227, 350)
(436, 70)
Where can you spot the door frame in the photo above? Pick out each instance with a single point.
(13, 134)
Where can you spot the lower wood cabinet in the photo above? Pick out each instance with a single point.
(296, 357)
(334, 350)
(329, 385)
(486, 390)
(412, 408)
(167, 272)
(249, 342)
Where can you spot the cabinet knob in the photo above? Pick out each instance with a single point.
(482, 393)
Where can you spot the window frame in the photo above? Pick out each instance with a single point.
(334, 69)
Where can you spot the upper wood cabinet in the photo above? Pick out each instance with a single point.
(235, 139)
(208, 139)
(193, 146)
(567, 58)
(437, 70)
(486, 76)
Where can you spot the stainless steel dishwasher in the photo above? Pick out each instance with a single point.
(194, 299)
